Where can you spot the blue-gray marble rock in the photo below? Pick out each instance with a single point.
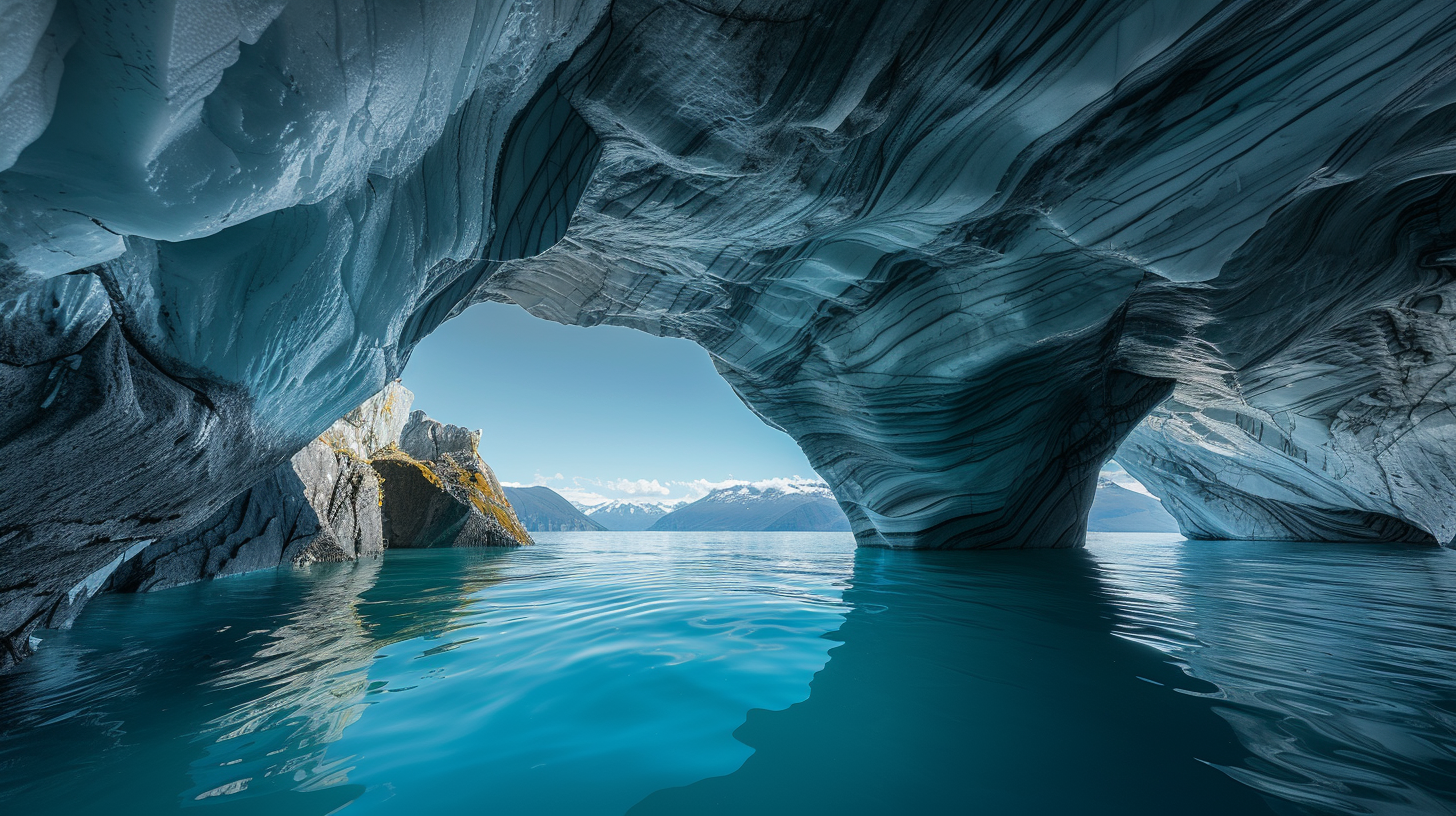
(322, 505)
(958, 250)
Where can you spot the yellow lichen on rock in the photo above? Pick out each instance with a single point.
(490, 500)
(392, 453)
(438, 475)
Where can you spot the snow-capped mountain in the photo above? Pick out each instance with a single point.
(774, 505)
(627, 515)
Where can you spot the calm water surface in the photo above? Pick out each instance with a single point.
(687, 673)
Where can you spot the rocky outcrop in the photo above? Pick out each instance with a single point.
(328, 502)
(957, 250)
(321, 506)
(439, 493)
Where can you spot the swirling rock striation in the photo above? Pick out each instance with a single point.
(960, 259)
(957, 250)
(322, 505)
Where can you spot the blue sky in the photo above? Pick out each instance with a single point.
(595, 413)
(600, 413)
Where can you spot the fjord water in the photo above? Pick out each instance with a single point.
(689, 673)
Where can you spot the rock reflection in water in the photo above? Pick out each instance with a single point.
(1334, 660)
(1144, 676)
(286, 665)
(1148, 675)
(982, 683)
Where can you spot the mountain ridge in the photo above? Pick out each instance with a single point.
(543, 510)
(627, 515)
(791, 506)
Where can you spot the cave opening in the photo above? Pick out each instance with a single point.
(571, 407)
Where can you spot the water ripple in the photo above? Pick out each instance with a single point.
(1333, 661)
(750, 673)
(573, 677)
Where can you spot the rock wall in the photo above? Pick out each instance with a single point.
(440, 493)
(323, 505)
(1317, 402)
(328, 503)
(957, 250)
(960, 257)
(172, 336)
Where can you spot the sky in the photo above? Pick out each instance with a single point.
(594, 414)
(602, 413)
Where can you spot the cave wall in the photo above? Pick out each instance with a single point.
(959, 256)
(956, 250)
(225, 226)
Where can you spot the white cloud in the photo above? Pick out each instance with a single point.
(698, 488)
(586, 498)
(790, 483)
(636, 487)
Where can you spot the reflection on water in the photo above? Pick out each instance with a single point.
(228, 690)
(310, 681)
(671, 674)
(572, 677)
(1337, 663)
(983, 684)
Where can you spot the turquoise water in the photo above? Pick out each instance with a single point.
(686, 673)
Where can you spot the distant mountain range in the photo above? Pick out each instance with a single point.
(1119, 510)
(784, 507)
(542, 509)
(627, 516)
(791, 506)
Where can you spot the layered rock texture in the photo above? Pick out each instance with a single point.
(324, 504)
(328, 504)
(957, 250)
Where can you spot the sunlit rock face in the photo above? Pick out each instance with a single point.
(322, 505)
(438, 492)
(957, 250)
